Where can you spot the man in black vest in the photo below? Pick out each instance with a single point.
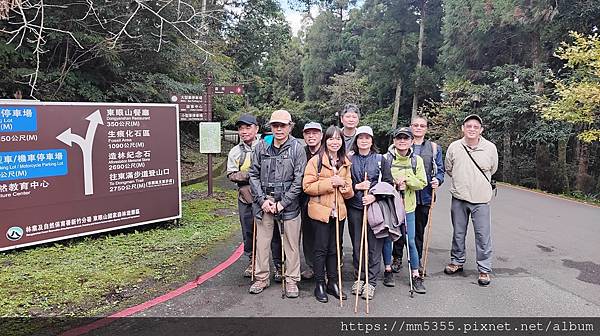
(434, 169)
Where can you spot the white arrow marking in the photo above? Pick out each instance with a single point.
(86, 146)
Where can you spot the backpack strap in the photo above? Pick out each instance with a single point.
(243, 156)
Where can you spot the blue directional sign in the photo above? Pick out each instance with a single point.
(32, 164)
(18, 119)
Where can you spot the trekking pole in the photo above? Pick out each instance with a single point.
(366, 256)
(412, 289)
(428, 233)
(253, 247)
(337, 245)
(281, 228)
(360, 259)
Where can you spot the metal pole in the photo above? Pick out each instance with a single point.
(210, 175)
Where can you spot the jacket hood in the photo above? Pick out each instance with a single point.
(392, 151)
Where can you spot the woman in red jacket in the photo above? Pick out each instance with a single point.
(327, 177)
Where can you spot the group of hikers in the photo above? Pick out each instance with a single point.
(292, 193)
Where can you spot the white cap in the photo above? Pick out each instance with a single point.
(364, 130)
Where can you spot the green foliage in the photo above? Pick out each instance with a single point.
(576, 98)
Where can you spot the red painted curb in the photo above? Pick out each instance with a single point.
(165, 297)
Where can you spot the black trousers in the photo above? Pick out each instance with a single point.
(308, 237)
(421, 218)
(247, 222)
(355, 218)
(325, 256)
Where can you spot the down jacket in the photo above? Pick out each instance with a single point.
(322, 194)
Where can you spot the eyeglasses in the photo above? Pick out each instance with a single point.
(419, 125)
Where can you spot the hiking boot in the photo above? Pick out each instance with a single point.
(291, 289)
(388, 279)
(396, 265)
(418, 285)
(334, 289)
(357, 287)
(368, 290)
(453, 269)
(307, 274)
(277, 276)
(484, 279)
(248, 271)
(320, 293)
(258, 286)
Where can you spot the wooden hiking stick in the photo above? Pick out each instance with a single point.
(428, 233)
(337, 245)
(253, 248)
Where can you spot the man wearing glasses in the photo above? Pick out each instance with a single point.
(471, 162)
(276, 181)
(434, 169)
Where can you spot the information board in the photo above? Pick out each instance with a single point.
(210, 137)
(73, 169)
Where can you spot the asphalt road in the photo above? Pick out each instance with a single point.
(546, 263)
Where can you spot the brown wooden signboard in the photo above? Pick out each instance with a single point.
(193, 107)
(73, 169)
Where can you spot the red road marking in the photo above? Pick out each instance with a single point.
(172, 294)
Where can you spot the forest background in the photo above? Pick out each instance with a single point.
(531, 69)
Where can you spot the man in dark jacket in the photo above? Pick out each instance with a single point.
(276, 181)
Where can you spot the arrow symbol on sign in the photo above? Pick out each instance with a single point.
(86, 144)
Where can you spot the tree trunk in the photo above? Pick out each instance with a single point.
(582, 167)
(562, 165)
(506, 155)
(542, 159)
(415, 103)
(397, 104)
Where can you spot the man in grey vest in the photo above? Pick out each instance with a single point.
(238, 164)
(431, 153)
(276, 180)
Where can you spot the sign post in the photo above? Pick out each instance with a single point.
(199, 108)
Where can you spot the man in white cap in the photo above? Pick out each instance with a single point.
(276, 181)
(238, 164)
(471, 162)
(312, 134)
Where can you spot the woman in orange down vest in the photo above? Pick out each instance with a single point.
(327, 177)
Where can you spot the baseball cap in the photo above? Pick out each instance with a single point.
(313, 125)
(246, 119)
(472, 116)
(281, 116)
(364, 130)
(403, 130)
